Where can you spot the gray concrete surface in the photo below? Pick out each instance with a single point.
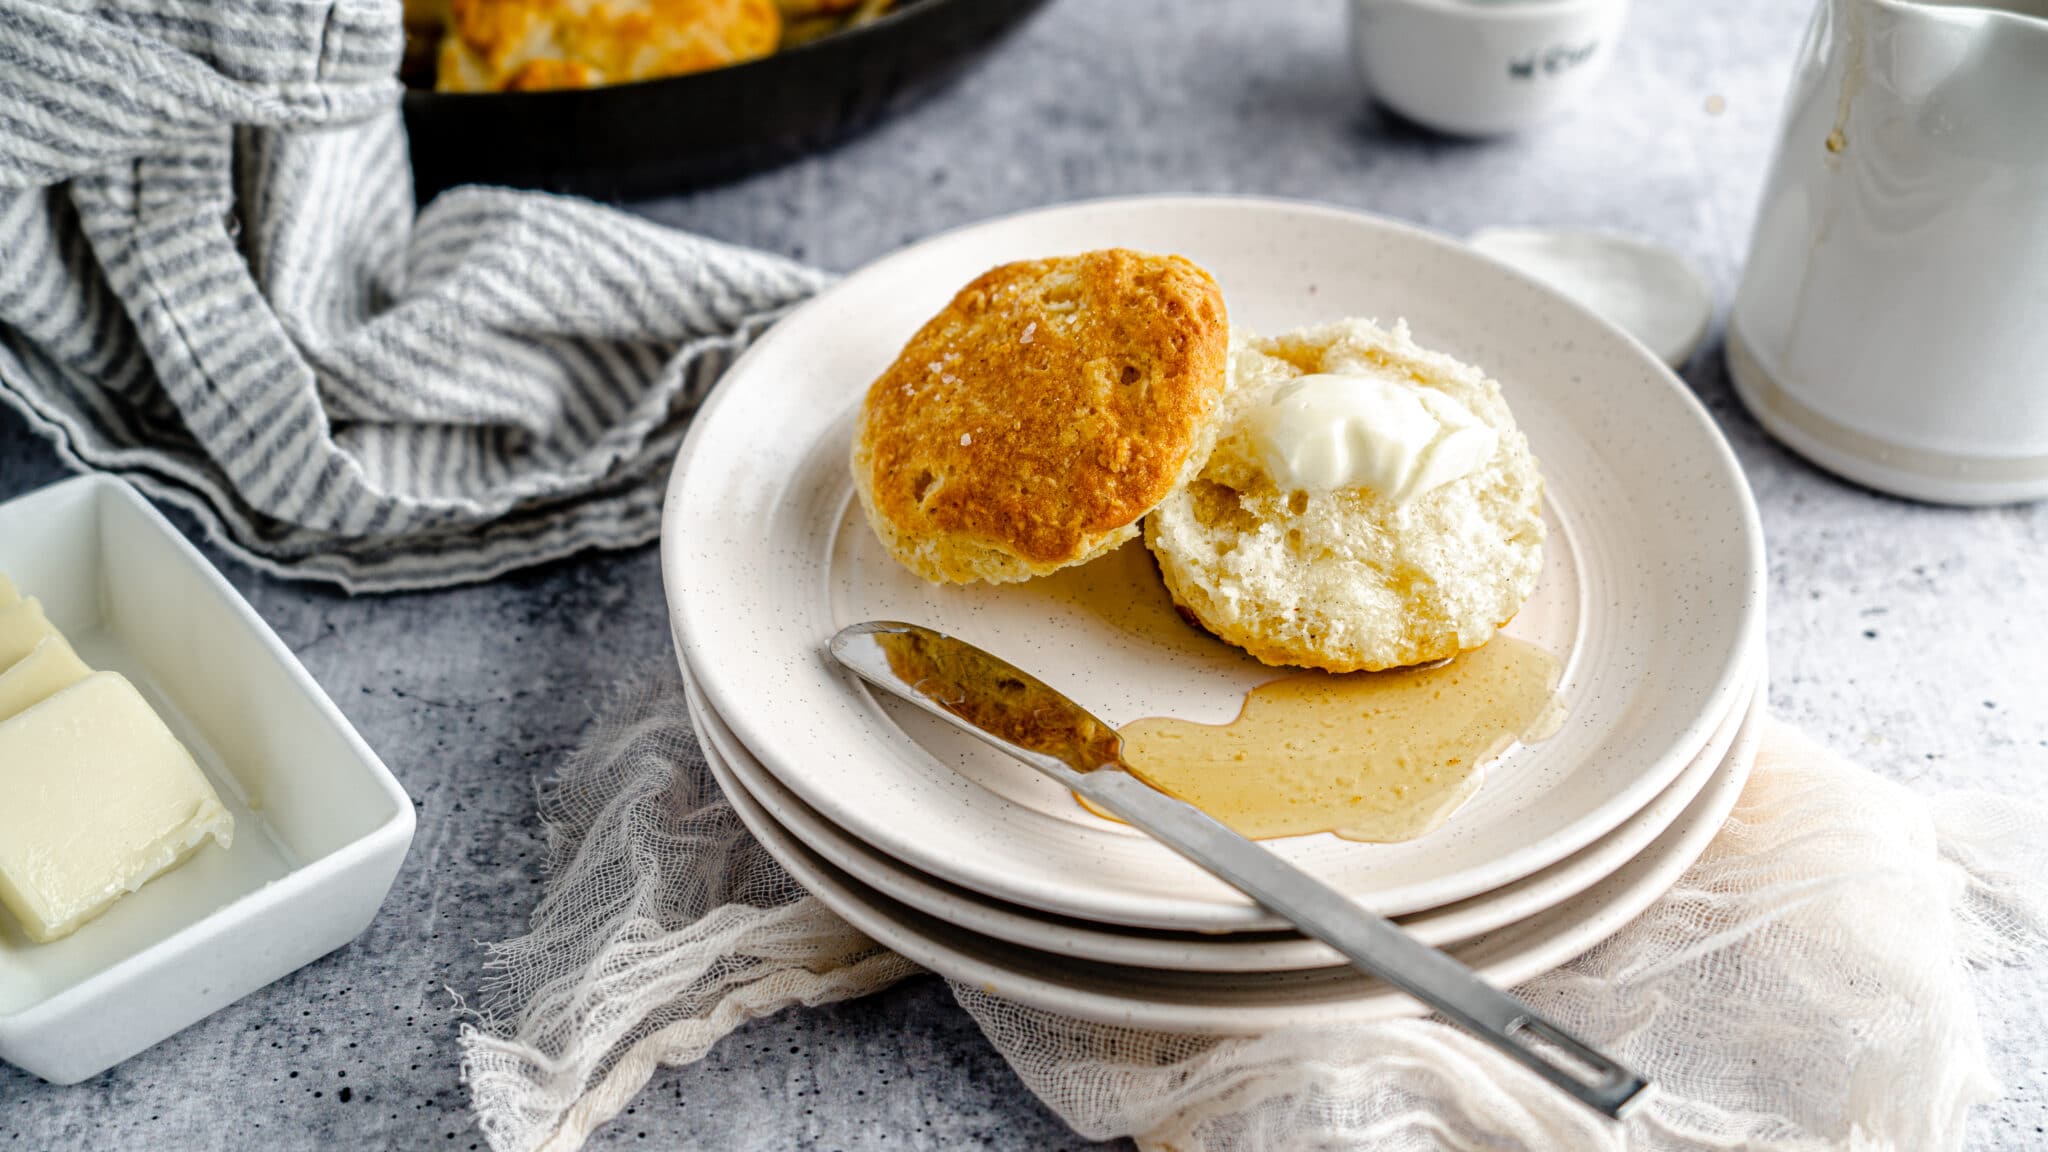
(1905, 635)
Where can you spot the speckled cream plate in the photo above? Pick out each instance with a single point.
(1248, 1003)
(1652, 591)
(1194, 951)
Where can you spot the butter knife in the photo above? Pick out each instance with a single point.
(1016, 712)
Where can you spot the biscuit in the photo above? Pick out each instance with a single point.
(1347, 580)
(1035, 420)
(527, 45)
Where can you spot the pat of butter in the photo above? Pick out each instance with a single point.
(1390, 436)
(101, 797)
(22, 627)
(47, 670)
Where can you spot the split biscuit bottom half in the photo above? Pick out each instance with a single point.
(1348, 580)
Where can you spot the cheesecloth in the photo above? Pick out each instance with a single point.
(1805, 985)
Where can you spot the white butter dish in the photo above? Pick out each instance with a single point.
(321, 826)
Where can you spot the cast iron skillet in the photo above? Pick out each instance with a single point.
(657, 136)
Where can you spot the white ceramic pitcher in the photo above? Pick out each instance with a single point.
(1892, 323)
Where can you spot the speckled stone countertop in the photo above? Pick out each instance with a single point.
(1904, 635)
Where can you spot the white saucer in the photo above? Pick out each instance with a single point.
(1653, 591)
(1193, 952)
(1646, 289)
(1251, 1003)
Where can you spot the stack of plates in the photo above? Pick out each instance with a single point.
(978, 868)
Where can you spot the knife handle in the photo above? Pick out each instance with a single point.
(1373, 943)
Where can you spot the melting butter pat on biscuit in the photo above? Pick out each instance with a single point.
(1370, 504)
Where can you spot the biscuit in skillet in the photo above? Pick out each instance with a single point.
(1035, 420)
(531, 45)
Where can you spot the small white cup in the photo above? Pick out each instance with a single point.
(1480, 68)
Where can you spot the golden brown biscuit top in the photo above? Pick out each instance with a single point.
(511, 45)
(1052, 402)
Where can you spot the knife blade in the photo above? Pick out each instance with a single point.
(1016, 712)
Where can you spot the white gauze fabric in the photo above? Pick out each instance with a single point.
(1806, 985)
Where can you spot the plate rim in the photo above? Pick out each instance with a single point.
(1609, 910)
(1448, 924)
(1202, 914)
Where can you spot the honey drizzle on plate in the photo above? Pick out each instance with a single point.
(1377, 756)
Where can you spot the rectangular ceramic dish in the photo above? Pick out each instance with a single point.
(321, 826)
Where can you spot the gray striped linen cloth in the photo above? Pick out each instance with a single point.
(214, 282)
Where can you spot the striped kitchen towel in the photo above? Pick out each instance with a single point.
(213, 281)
